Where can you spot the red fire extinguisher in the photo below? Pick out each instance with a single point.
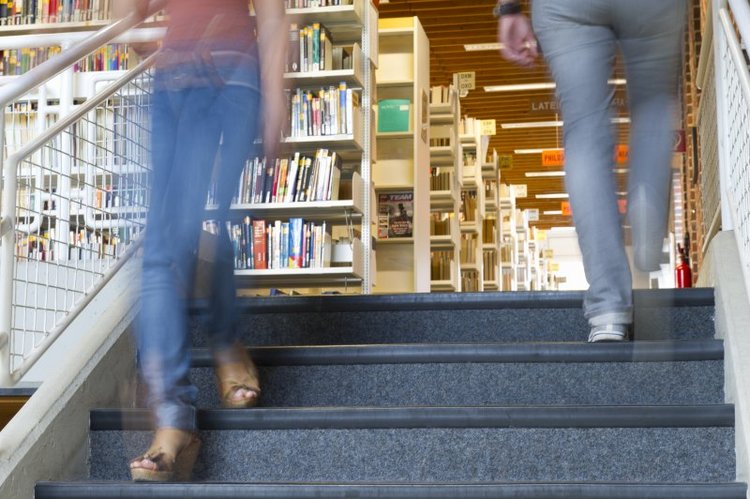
(683, 278)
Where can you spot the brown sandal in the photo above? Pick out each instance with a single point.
(174, 453)
(235, 371)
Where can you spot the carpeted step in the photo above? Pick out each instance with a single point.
(658, 372)
(441, 444)
(451, 318)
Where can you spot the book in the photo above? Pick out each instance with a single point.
(395, 214)
(327, 111)
(296, 235)
(260, 260)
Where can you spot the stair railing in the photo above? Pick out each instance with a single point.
(73, 200)
(731, 36)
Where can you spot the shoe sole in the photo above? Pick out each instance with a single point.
(606, 336)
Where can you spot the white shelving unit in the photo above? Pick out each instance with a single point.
(353, 26)
(403, 262)
(445, 194)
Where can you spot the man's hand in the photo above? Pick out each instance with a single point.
(517, 38)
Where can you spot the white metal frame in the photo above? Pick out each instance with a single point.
(9, 93)
(731, 29)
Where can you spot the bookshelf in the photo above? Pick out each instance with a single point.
(473, 206)
(344, 258)
(445, 189)
(401, 178)
(491, 237)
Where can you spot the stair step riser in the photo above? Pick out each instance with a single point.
(449, 326)
(444, 455)
(481, 384)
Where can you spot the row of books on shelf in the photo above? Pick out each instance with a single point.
(468, 206)
(113, 57)
(261, 245)
(309, 4)
(440, 94)
(298, 178)
(489, 269)
(81, 245)
(329, 111)
(123, 194)
(440, 179)
(468, 248)
(440, 224)
(311, 49)
(470, 281)
(440, 265)
(20, 12)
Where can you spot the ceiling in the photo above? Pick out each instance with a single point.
(449, 25)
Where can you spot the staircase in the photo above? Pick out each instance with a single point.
(451, 396)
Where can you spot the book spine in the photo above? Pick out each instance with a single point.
(349, 112)
(284, 246)
(342, 110)
(295, 242)
(260, 260)
(316, 47)
(247, 256)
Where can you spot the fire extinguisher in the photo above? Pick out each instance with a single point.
(683, 278)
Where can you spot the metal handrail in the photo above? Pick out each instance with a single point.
(8, 94)
(734, 46)
(741, 12)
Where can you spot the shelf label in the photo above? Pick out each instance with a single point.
(541, 235)
(519, 190)
(548, 253)
(466, 81)
(553, 267)
(488, 127)
(565, 208)
(553, 157)
(622, 205)
(621, 154)
(505, 161)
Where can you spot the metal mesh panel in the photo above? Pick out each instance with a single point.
(709, 150)
(82, 199)
(738, 145)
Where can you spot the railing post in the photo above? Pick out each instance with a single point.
(7, 249)
(719, 41)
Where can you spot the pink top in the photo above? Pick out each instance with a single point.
(224, 24)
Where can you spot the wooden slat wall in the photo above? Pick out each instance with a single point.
(449, 25)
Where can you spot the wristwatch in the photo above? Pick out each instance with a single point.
(506, 9)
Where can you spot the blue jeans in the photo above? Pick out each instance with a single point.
(190, 126)
(578, 39)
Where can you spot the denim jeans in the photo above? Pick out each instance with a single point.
(193, 129)
(578, 39)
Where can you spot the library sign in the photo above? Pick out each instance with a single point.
(547, 105)
(556, 157)
(465, 81)
(622, 207)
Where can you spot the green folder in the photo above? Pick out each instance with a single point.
(393, 115)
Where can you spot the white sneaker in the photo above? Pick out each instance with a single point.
(608, 332)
